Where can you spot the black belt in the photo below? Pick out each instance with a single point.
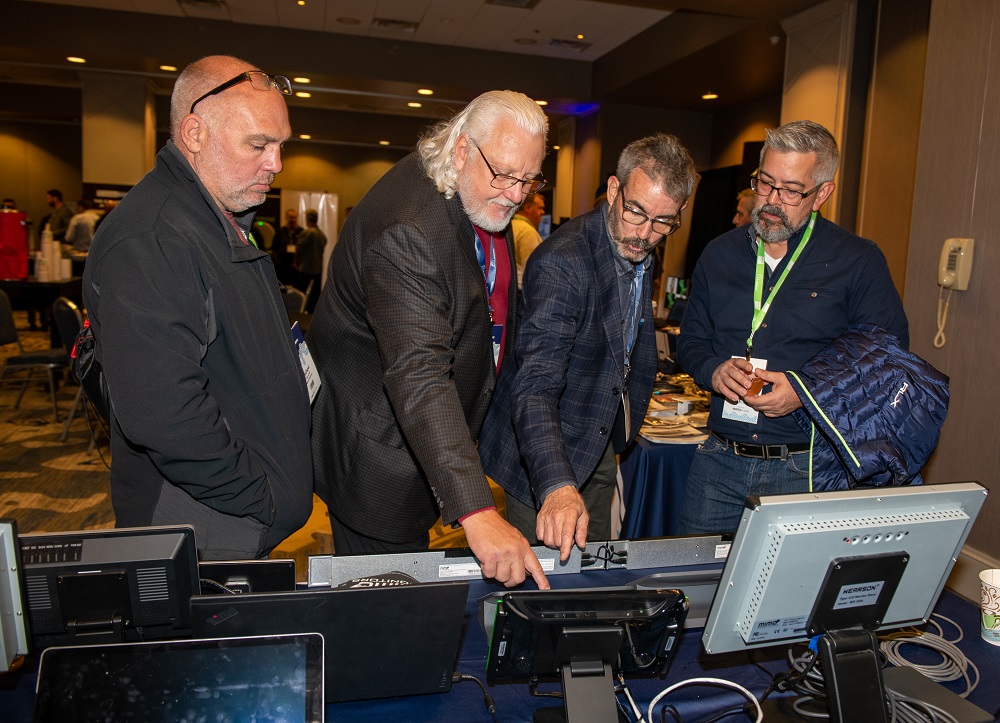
(762, 451)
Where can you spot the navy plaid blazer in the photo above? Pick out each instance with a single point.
(559, 393)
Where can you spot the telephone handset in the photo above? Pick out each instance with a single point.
(956, 263)
(953, 274)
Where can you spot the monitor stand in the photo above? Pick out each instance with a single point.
(852, 675)
(588, 696)
(585, 656)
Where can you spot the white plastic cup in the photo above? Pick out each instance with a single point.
(66, 268)
(990, 598)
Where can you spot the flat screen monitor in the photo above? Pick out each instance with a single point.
(819, 564)
(381, 642)
(545, 225)
(13, 622)
(584, 636)
(268, 678)
(109, 586)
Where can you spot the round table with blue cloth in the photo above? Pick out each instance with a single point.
(654, 477)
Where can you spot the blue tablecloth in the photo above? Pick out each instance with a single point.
(654, 476)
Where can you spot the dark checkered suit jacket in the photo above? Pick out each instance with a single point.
(560, 392)
(403, 343)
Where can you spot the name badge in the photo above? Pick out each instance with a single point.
(740, 412)
(308, 365)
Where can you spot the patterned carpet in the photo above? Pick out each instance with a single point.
(47, 485)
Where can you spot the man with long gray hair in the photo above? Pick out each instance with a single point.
(576, 388)
(766, 298)
(415, 320)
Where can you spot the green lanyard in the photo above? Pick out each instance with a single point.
(759, 310)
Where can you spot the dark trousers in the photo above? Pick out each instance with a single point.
(347, 541)
(597, 493)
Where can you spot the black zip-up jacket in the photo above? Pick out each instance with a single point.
(211, 413)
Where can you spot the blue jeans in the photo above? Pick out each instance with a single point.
(720, 480)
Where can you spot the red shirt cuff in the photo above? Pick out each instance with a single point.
(463, 518)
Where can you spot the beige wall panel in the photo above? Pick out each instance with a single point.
(817, 70)
(892, 131)
(957, 176)
(114, 128)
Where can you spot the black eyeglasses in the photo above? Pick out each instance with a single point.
(635, 217)
(502, 181)
(788, 196)
(258, 80)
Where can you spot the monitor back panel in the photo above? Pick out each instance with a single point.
(380, 642)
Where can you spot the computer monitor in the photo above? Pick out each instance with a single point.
(840, 565)
(381, 642)
(13, 622)
(109, 586)
(584, 636)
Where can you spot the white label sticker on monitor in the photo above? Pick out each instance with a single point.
(858, 595)
(722, 551)
(471, 569)
(777, 629)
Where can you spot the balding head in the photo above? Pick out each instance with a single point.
(233, 138)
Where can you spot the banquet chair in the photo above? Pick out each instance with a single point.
(29, 366)
(68, 320)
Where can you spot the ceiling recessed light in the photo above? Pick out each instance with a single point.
(74, 59)
(579, 36)
(303, 94)
(542, 102)
(348, 21)
(383, 143)
(169, 68)
(525, 41)
(414, 104)
(425, 91)
(302, 80)
(710, 96)
(556, 148)
(305, 136)
(300, 3)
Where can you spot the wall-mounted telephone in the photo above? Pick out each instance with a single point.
(956, 263)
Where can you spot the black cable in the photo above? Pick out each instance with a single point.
(491, 707)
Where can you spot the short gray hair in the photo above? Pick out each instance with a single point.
(195, 80)
(804, 136)
(665, 160)
(477, 120)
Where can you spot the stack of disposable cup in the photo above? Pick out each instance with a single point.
(41, 266)
(51, 258)
(66, 269)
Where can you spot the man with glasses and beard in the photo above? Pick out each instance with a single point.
(410, 330)
(766, 298)
(210, 412)
(576, 388)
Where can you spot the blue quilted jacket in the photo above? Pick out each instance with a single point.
(873, 410)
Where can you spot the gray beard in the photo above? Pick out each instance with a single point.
(774, 233)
